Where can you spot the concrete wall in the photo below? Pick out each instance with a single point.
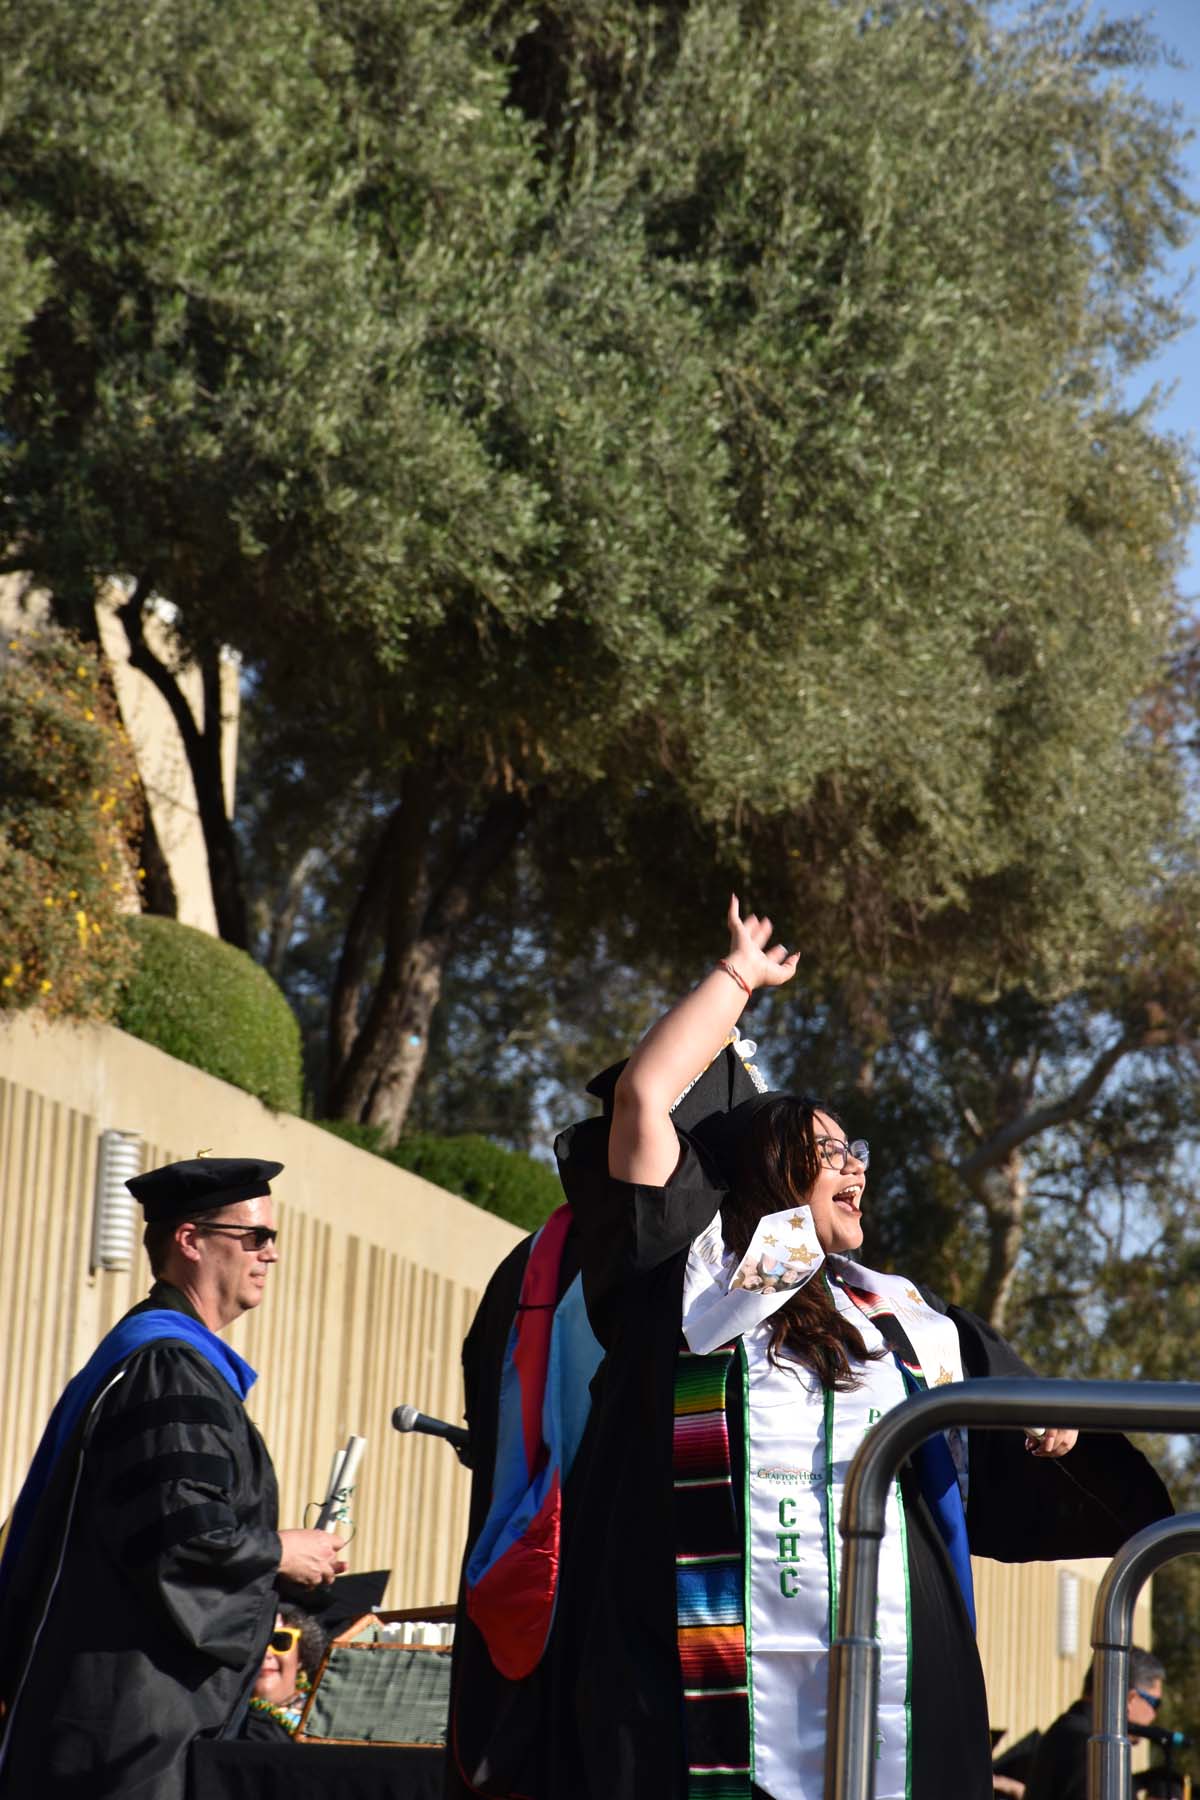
(379, 1275)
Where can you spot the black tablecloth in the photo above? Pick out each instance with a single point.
(237, 1770)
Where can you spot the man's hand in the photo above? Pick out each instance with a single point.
(310, 1557)
(1055, 1441)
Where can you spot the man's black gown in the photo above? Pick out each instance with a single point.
(156, 1628)
(1058, 1770)
(606, 1707)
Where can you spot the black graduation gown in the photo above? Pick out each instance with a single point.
(617, 1733)
(1059, 1767)
(156, 1628)
(497, 1736)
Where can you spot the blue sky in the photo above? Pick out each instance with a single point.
(1177, 23)
(1177, 372)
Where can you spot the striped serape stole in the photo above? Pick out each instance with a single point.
(882, 1315)
(709, 1584)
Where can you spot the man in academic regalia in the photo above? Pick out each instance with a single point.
(1058, 1770)
(139, 1570)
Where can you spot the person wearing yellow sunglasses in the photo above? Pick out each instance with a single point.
(290, 1660)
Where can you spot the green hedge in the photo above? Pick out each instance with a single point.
(210, 1005)
(505, 1182)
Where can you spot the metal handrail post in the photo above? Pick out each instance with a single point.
(1110, 1751)
(998, 1401)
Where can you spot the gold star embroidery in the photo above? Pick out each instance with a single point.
(770, 1240)
(801, 1253)
(912, 1294)
(944, 1376)
(798, 1221)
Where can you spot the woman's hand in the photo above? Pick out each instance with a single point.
(1055, 1441)
(758, 965)
(643, 1145)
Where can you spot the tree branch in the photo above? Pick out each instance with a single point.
(1010, 1136)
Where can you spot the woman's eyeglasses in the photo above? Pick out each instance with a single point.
(835, 1153)
(254, 1237)
(284, 1639)
(1153, 1701)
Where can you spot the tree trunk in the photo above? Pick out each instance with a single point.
(202, 747)
(425, 908)
(1003, 1191)
(403, 1038)
(366, 922)
(220, 840)
(287, 911)
(995, 1169)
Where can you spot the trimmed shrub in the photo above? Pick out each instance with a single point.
(506, 1182)
(69, 811)
(501, 1181)
(210, 1005)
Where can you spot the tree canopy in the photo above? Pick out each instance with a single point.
(687, 444)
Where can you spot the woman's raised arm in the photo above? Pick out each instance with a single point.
(642, 1145)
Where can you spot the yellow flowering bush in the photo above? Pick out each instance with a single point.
(69, 815)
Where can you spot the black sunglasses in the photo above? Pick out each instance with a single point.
(259, 1235)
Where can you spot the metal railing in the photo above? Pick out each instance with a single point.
(854, 1654)
(1110, 1749)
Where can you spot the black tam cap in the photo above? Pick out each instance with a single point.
(180, 1189)
(342, 1601)
(717, 1109)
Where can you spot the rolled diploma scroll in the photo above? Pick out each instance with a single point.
(342, 1476)
(335, 1469)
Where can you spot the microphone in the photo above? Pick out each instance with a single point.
(1158, 1734)
(407, 1418)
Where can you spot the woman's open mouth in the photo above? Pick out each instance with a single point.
(849, 1197)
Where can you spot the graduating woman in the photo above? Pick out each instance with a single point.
(747, 1354)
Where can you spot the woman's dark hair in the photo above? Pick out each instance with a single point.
(312, 1637)
(777, 1164)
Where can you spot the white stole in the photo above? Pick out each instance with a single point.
(799, 1444)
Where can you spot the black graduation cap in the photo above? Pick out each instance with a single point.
(718, 1107)
(199, 1185)
(341, 1601)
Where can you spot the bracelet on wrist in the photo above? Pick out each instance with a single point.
(734, 976)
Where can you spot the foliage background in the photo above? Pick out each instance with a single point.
(68, 812)
(212, 1006)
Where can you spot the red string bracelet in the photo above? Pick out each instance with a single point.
(732, 972)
